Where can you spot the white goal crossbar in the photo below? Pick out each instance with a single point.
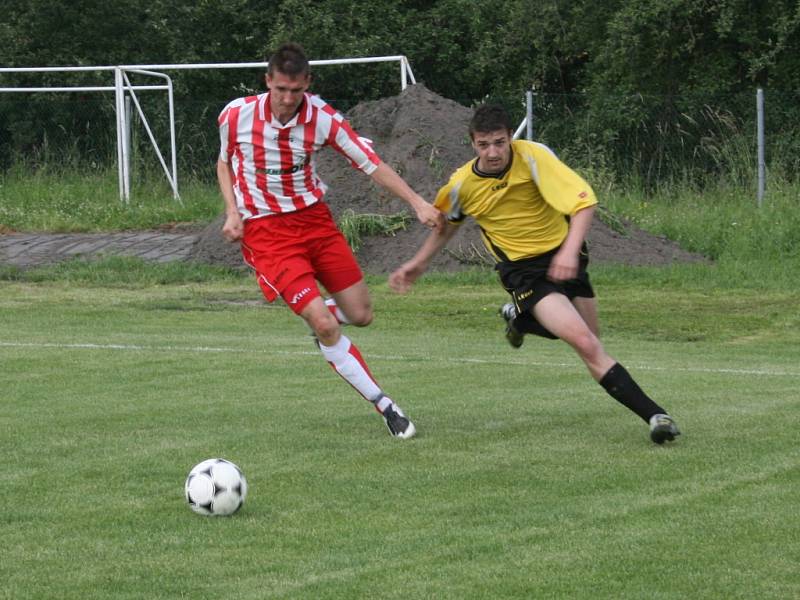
(124, 90)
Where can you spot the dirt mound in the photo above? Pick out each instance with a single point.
(424, 138)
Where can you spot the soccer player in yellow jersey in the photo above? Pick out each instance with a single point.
(534, 213)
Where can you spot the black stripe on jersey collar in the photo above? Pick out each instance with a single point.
(499, 175)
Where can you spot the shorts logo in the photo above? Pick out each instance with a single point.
(524, 295)
(299, 295)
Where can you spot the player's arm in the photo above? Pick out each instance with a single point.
(233, 229)
(361, 155)
(388, 179)
(404, 276)
(569, 194)
(565, 262)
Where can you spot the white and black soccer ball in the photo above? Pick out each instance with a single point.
(215, 487)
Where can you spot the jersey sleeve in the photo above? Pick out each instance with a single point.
(223, 123)
(561, 187)
(448, 201)
(358, 150)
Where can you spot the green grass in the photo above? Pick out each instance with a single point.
(81, 200)
(356, 226)
(722, 222)
(525, 481)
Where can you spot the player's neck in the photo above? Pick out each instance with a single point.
(492, 172)
(283, 114)
(283, 119)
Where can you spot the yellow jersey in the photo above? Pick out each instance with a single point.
(522, 212)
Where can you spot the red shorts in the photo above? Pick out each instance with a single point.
(291, 252)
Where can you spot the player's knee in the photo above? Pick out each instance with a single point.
(362, 317)
(586, 344)
(324, 326)
(358, 313)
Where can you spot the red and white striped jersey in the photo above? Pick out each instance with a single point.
(273, 164)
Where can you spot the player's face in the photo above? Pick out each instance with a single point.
(493, 150)
(286, 94)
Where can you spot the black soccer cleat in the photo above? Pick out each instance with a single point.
(663, 429)
(513, 336)
(398, 424)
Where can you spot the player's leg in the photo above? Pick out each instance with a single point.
(333, 308)
(346, 360)
(352, 305)
(285, 270)
(323, 324)
(562, 318)
(337, 270)
(587, 309)
(526, 282)
(556, 313)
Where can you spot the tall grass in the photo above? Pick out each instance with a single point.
(721, 223)
(356, 226)
(66, 198)
(753, 245)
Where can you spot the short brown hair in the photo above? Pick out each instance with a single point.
(289, 59)
(488, 118)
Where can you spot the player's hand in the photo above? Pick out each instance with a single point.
(403, 278)
(430, 216)
(564, 266)
(233, 229)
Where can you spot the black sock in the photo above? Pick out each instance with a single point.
(621, 386)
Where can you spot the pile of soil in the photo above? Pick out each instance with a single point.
(424, 137)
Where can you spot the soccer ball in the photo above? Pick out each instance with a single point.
(215, 487)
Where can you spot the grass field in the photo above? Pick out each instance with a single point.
(525, 479)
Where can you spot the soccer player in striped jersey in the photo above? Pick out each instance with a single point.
(534, 213)
(274, 206)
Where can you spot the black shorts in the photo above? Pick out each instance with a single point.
(526, 280)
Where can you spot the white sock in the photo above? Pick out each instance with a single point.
(383, 403)
(347, 361)
(336, 311)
